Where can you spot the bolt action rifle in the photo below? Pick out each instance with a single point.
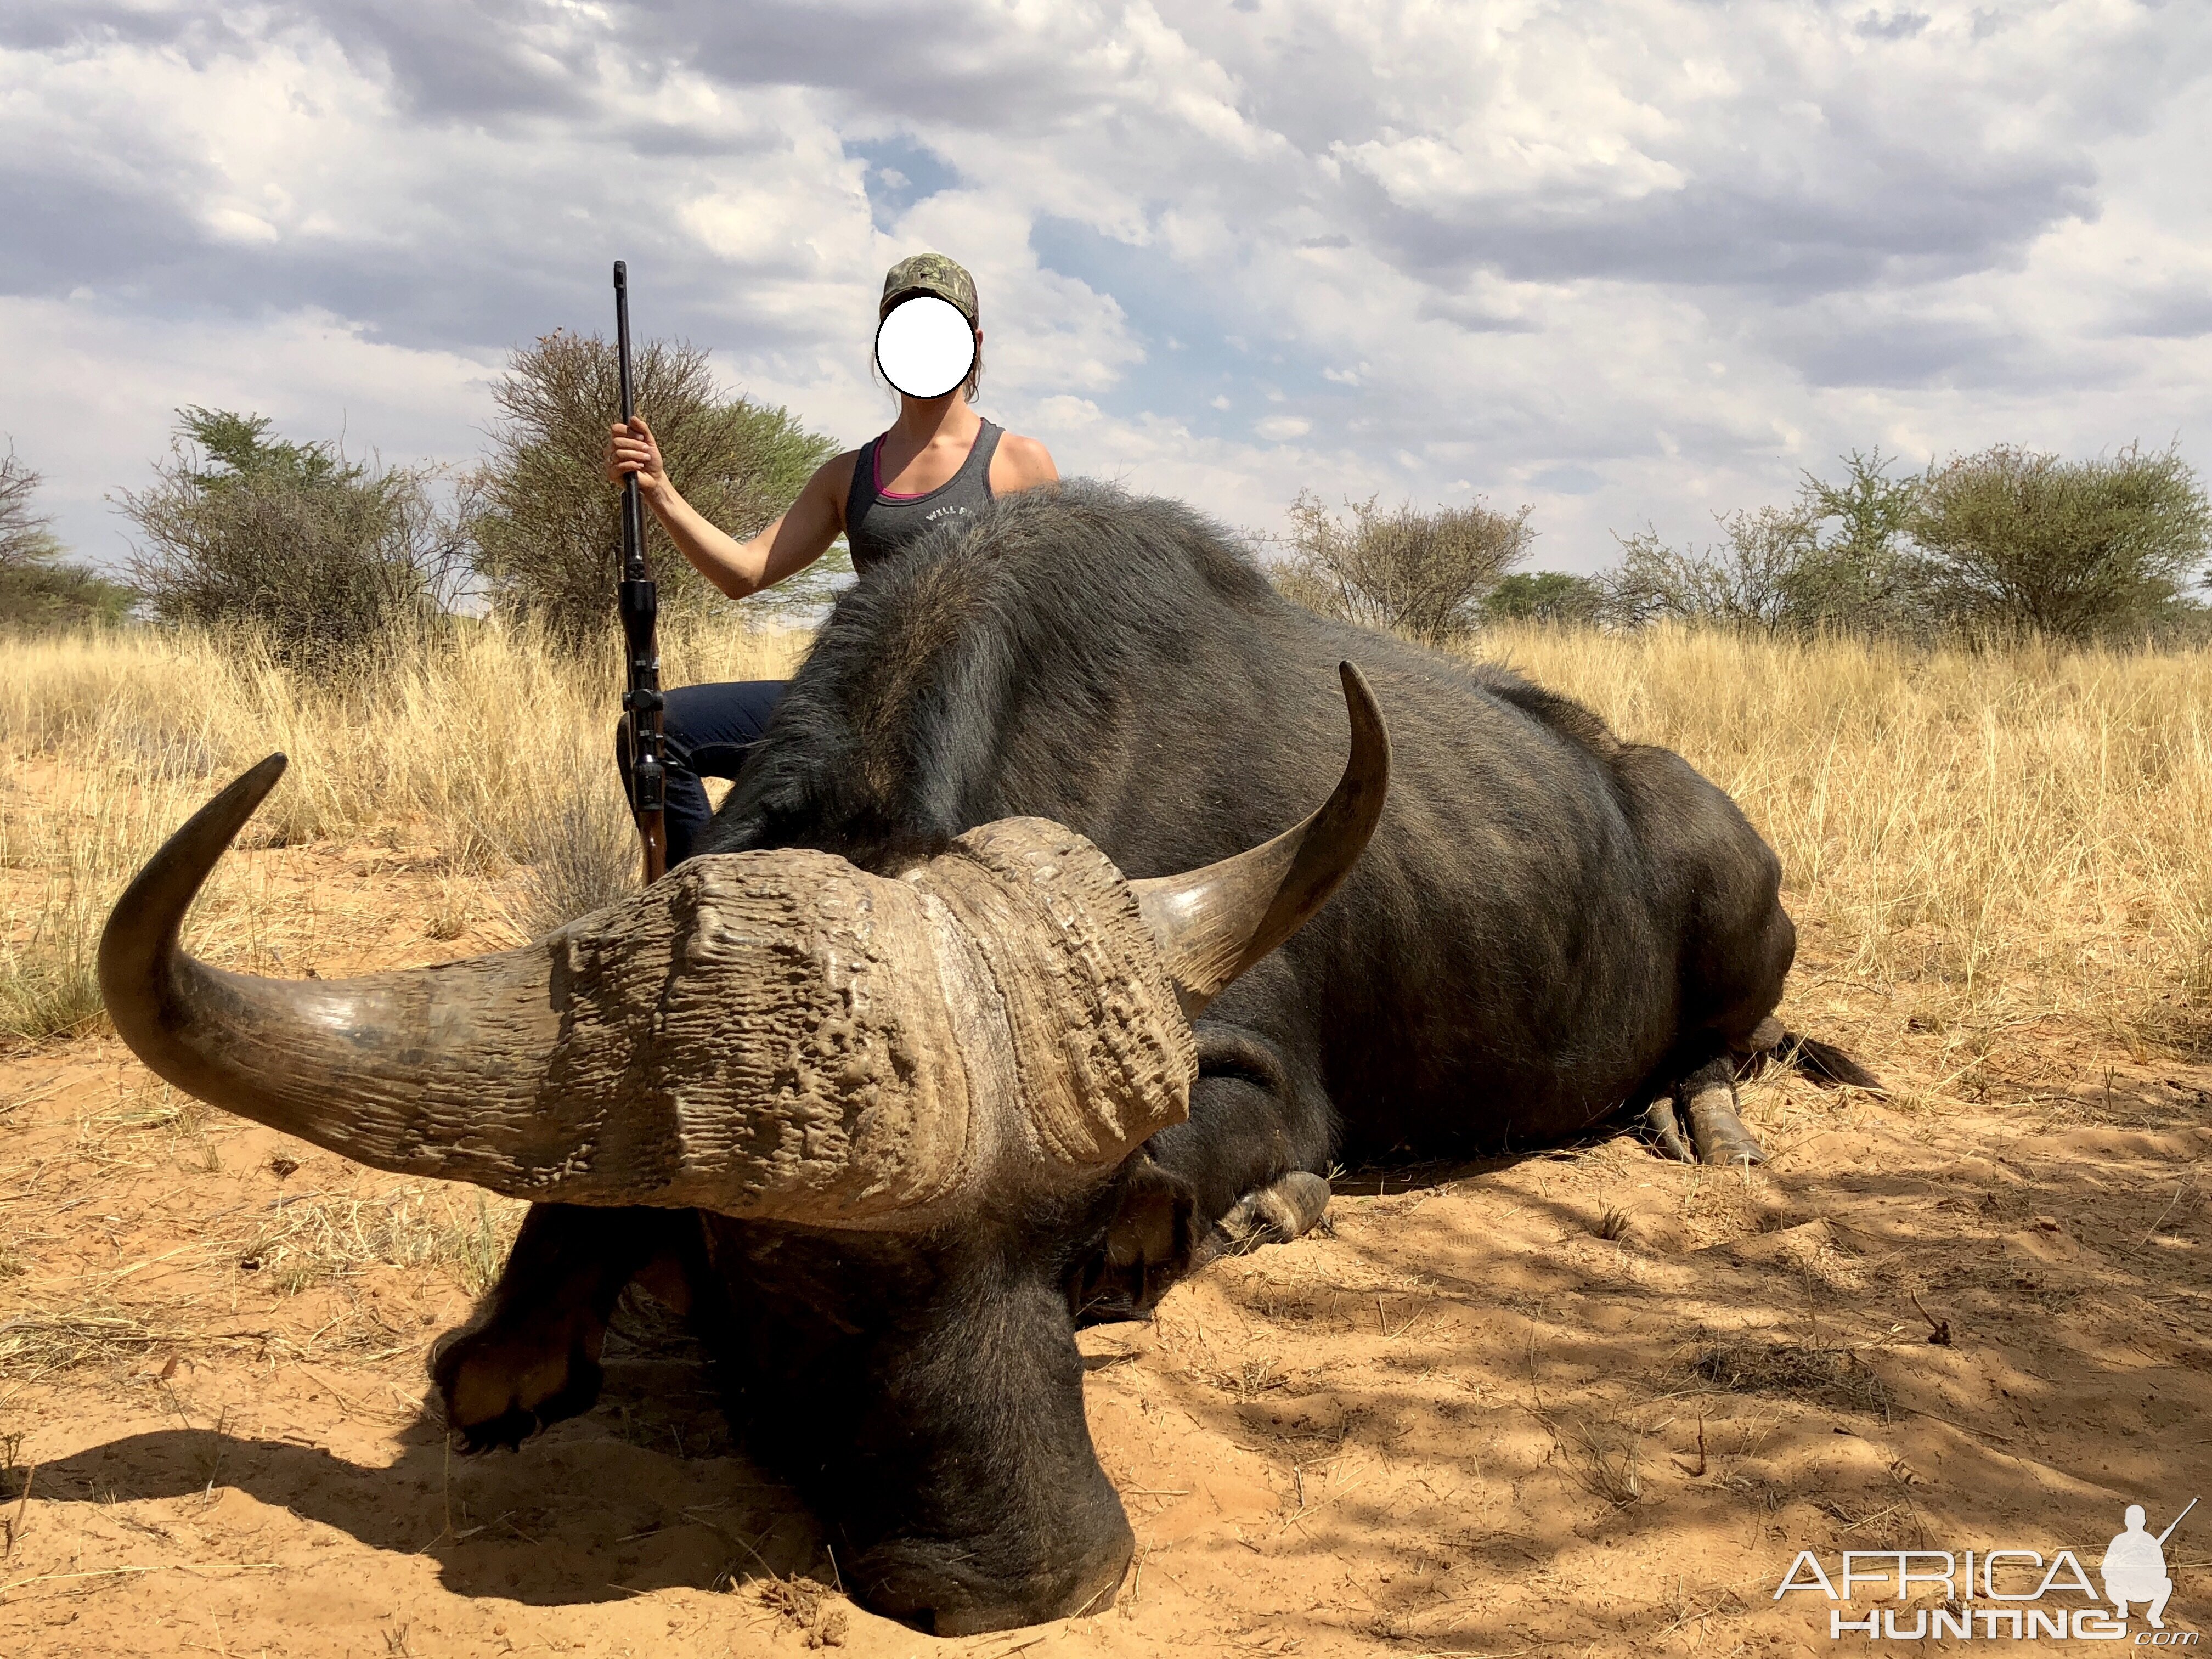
(2178, 1520)
(638, 597)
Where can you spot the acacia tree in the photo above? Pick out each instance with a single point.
(1859, 572)
(37, 589)
(1546, 596)
(1424, 574)
(1747, 580)
(325, 556)
(26, 534)
(547, 525)
(2075, 549)
(1838, 557)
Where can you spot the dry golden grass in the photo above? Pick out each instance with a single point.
(321, 1236)
(470, 735)
(483, 743)
(1984, 839)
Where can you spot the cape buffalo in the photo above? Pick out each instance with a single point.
(889, 1102)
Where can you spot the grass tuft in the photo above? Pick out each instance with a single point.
(584, 856)
(1836, 1376)
(49, 984)
(45, 1340)
(1603, 1460)
(317, 1237)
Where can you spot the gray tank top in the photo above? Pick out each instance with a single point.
(879, 526)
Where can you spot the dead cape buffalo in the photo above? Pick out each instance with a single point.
(891, 1101)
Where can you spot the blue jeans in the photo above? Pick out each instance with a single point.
(710, 730)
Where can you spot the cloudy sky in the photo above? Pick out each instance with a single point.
(1622, 260)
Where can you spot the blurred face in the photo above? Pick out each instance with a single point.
(925, 347)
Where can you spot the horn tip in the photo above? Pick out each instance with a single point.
(238, 803)
(142, 928)
(1367, 727)
(1356, 690)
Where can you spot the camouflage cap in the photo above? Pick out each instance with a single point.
(929, 273)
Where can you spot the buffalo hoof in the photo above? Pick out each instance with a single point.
(1277, 1213)
(1663, 1129)
(501, 1386)
(1716, 1132)
(1720, 1135)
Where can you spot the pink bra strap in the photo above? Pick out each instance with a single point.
(876, 466)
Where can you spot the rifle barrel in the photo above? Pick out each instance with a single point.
(638, 605)
(633, 504)
(2178, 1520)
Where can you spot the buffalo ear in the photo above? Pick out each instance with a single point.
(1151, 1243)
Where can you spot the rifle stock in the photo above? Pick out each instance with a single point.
(638, 600)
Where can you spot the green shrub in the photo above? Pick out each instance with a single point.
(1425, 575)
(547, 525)
(2073, 549)
(323, 558)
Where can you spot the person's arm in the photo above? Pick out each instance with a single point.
(1019, 463)
(740, 568)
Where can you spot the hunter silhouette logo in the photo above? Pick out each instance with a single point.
(2013, 1594)
(2135, 1567)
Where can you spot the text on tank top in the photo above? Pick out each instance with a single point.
(880, 526)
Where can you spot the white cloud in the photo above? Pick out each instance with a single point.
(108, 383)
(1625, 260)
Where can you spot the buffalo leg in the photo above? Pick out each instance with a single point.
(1243, 1169)
(530, 1354)
(1282, 1210)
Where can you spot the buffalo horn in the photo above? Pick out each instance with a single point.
(386, 1069)
(774, 1034)
(1212, 924)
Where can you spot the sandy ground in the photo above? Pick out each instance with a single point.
(1580, 1401)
